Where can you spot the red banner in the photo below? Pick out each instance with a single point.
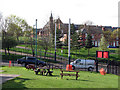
(102, 54)
(105, 54)
(99, 54)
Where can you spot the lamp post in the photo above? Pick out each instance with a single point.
(69, 42)
(36, 45)
(55, 40)
(34, 38)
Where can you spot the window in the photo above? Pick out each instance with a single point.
(98, 43)
(23, 58)
(92, 36)
(78, 61)
(114, 43)
(85, 34)
(95, 43)
(117, 43)
(92, 42)
(30, 58)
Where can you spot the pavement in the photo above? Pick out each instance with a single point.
(6, 77)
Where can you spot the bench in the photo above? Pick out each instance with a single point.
(30, 66)
(43, 71)
(36, 71)
(69, 74)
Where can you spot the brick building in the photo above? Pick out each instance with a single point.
(96, 31)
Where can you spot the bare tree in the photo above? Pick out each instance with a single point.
(45, 42)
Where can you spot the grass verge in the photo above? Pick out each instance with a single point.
(28, 79)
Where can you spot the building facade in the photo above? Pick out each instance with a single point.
(95, 30)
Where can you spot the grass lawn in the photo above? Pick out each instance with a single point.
(75, 54)
(28, 79)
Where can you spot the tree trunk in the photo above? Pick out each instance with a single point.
(88, 51)
(33, 53)
(8, 50)
(17, 38)
(5, 52)
(45, 53)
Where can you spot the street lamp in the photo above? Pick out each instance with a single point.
(69, 42)
(36, 45)
(55, 40)
(34, 37)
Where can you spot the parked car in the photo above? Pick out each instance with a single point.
(82, 63)
(111, 46)
(30, 60)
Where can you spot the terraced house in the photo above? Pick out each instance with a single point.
(95, 30)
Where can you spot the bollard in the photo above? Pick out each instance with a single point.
(9, 64)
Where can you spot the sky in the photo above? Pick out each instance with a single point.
(100, 12)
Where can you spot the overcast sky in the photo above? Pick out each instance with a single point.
(100, 12)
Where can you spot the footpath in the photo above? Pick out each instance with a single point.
(6, 77)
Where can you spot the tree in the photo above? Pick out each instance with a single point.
(74, 40)
(79, 38)
(89, 37)
(45, 42)
(8, 41)
(58, 36)
(89, 42)
(108, 36)
(16, 26)
(29, 39)
(103, 43)
(116, 34)
(72, 29)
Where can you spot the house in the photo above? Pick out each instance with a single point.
(95, 30)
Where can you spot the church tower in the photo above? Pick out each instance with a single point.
(51, 24)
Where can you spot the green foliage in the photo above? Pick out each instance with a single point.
(116, 34)
(108, 36)
(72, 29)
(58, 36)
(45, 42)
(16, 26)
(74, 41)
(103, 44)
(88, 42)
(8, 41)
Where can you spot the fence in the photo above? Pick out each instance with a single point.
(111, 67)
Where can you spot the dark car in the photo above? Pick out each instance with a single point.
(111, 46)
(30, 60)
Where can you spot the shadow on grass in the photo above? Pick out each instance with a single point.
(49, 75)
(15, 83)
(78, 80)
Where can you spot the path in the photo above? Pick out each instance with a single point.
(6, 77)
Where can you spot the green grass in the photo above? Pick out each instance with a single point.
(28, 79)
(82, 53)
(12, 57)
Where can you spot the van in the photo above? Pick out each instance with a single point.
(84, 64)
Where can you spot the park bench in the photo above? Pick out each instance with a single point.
(69, 74)
(30, 66)
(43, 71)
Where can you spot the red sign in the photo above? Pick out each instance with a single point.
(99, 54)
(105, 54)
(102, 54)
